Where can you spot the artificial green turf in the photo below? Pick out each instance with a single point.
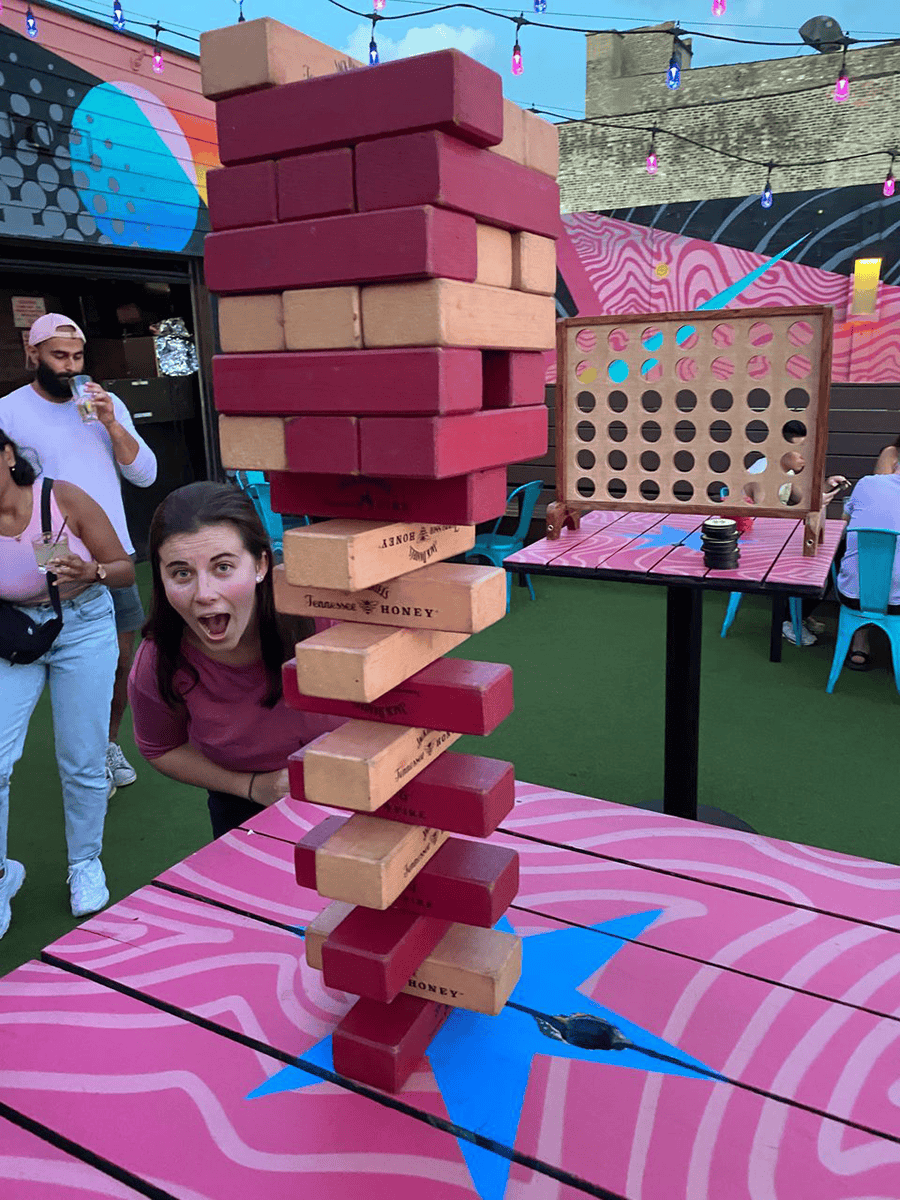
(589, 669)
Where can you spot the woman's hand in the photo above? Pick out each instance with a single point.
(269, 787)
(69, 568)
(833, 485)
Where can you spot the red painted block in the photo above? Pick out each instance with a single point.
(434, 447)
(432, 168)
(453, 93)
(382, 1044)
(461, 500)
(512, 378)
(455, 694)
(473, 883)
(315, 185)
(373, 954)
(405, 243)
(323, 444)
(427, 380)
(238, 196)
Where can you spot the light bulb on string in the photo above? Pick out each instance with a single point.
(517, 65)
(673, 75)
(157, 63)
(767, 199)
(842, 86)
(890, 182)
(30, 23)
(241, 17)
(378, 5)
(540, 6)
(718, 8)
(374, 60)
(118, 17)
(652, 160)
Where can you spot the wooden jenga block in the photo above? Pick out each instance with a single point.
(315, 185)
(446, 312)
(348, 381)
(434, 447)
(462, 500)
(357, 247)
(349, 661)
(262, 54)
(322, 319)
(252, 443)
(453, 93)
(369, 861)
(251, 323)
(322, 443)
(372, 954)
(457, 597)
(431, 168)
(362, 764)
(513, 378)
(513, 144)
(351, 555)
(245, 195)
(461, 695)
(460, 793)
(470, 968)
(541, 144)
(382, 1044)
(495, 266)
(534, 263)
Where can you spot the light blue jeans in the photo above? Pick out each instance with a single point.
(80, 667)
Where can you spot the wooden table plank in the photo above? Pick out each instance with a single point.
(33, 1169)
(792, 567)
(613, 537)
(545, 550)
(642, 557)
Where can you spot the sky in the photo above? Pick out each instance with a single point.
(554, 62)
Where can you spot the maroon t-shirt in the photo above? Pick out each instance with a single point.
(223, 714)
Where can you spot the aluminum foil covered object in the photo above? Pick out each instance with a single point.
(175, 350)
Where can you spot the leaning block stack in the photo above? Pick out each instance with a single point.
(383, 250)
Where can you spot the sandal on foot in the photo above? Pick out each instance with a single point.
(858, 660)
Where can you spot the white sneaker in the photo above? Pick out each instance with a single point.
(87, 887)
(118, 766)
(13, 878)
(807, 638)
(110, 785)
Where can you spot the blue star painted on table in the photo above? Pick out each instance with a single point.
(482, 1064)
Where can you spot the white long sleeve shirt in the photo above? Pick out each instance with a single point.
(80, 452)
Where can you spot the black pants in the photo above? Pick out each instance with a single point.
(227, 812)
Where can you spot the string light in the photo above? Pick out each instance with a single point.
(889, 182)
(540, 6)
(718, 8)
(652, 160)
(374, 60)
(842, 87)
(241, 17)
(767, 199)
(118, 16)
(30, 23)
(673, 75)
(157, 53)
(378, 5)
(517, 65)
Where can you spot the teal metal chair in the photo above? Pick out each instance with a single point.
(794, 607)
(877, 549)
(255, 485)
(495, 548)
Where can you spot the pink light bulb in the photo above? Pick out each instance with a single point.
(889, 184)
(517, 65)
(652, 163)
(158, 62)
(842, 89)
(378, 5)
(718, 8)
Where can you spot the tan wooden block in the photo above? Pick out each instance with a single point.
(323, 319)
(445, 312)
(541, 144)
(361, 764)
(252, 443)
(472, 968)
(251, 324)
(460, 597)
(513, 144)
(350, 554)
(261, 54)
(369, 860)
(534, 263)
(495, 256)
(362, 662)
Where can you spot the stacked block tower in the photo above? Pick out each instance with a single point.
(383, 251)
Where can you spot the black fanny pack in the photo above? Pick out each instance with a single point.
(22, 640)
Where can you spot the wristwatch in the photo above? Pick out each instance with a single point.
(101, 571)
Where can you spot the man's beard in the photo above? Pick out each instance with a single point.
(55, 385)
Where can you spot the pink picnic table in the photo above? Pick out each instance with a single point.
(176, 1045)
(664, 549)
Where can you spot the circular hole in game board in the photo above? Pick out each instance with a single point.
(651, 370)
(756, 431)
(585, 431)
(752, 492)
(790, 493)
(683, 491)
(723, 336)
(585, 460)
(793, 431)
(586, 401)
(721, 400)
(617, 430)
(685, 431)
(585, 340)
(585, 487)
(650, 460)
(617, 460)
(792, 463)
(760, 334)
(617, 489)
(758, 399)
(758, 366)
(717, 491)
(798, 366)
(652, 338)
(686, 370)
(585, 372)
(685, 400)
(649, 489)
(722, 369)
(797, 398)
(617, 370)
(800, 333)
(650, 431)
(687, 337)
(719, 461)
(652, 401)
(683, 460)
(617, 340)
(617, 401)
(751, 459)
(720, 431)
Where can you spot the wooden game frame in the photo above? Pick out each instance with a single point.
(598, 353)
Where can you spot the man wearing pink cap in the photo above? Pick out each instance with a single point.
(43, 416)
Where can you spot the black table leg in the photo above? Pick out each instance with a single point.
(779, 613)
(684, 623)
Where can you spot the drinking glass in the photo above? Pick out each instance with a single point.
(85, 402)
(47, 546)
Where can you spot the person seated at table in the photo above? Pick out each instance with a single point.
(205, 687)
(886, 463)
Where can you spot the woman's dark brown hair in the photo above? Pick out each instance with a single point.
(188, 510)
(22, 471)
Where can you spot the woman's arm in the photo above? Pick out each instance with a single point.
(89, 522)
(188, 765)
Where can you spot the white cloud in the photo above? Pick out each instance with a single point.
(477, 43)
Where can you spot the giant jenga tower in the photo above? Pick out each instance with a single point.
(384, 257)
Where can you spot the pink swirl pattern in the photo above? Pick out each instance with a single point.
(586, 340)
